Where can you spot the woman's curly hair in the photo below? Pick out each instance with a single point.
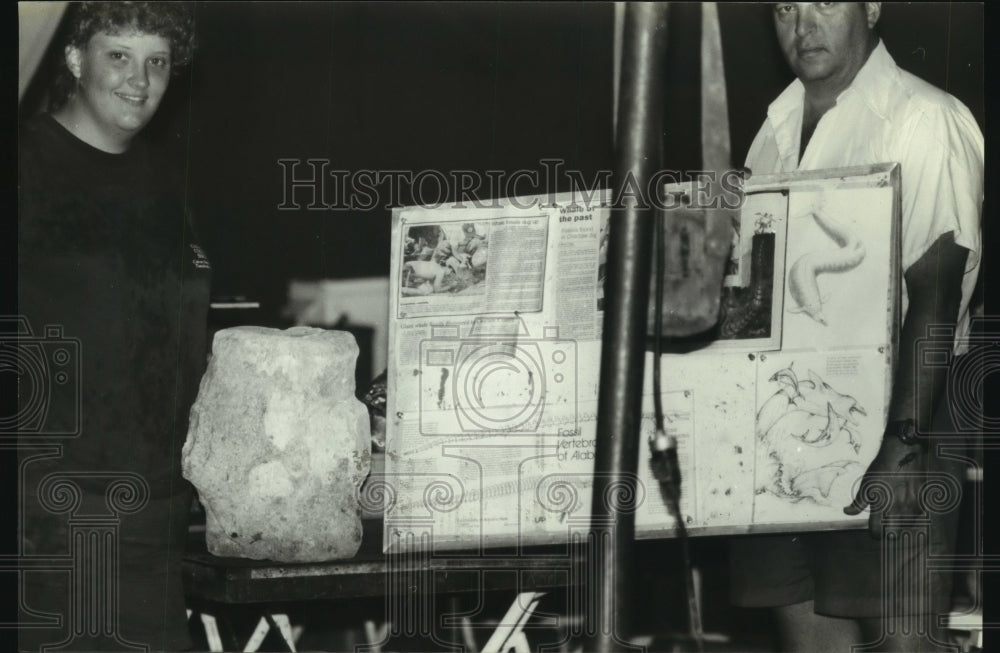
(173, 21)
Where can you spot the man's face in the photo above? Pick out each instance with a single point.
(826, 41)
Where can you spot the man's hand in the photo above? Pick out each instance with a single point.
(895, 479)
(892, 484)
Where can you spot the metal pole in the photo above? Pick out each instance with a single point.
(638, 146)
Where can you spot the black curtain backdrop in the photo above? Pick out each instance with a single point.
(442, 87)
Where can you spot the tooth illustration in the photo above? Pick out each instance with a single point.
(814, 395)
(806, 431)
(819, 481)
(778, 404)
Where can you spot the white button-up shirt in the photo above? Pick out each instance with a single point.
(890, 115)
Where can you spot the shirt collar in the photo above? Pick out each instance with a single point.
(785, 116)
(869, 84)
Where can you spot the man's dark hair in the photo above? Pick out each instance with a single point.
(173, 21)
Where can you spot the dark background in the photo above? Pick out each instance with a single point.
(428, 86)
(445, 86)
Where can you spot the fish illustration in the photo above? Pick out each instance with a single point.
(802, 284)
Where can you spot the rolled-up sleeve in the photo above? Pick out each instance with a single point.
(942, 181)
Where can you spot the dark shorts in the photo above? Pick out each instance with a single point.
(846, 573)
(849, 573)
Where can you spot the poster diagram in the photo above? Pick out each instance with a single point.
(818, 425)
(495, 366)
(839, 259)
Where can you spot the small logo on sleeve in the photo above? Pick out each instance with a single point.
(200, 260)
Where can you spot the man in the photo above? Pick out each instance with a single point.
(851, 105)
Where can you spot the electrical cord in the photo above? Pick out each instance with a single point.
(663, 447)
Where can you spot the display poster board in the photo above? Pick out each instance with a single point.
(494, 357)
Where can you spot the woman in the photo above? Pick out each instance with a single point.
(108, 256)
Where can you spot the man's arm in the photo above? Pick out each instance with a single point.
(934, 290)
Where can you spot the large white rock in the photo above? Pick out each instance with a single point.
(278, 445)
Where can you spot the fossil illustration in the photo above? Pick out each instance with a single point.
(747, 312)
(807, 437)
(815, 483)
(802, 283)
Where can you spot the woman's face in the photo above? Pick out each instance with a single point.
(122, 78)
